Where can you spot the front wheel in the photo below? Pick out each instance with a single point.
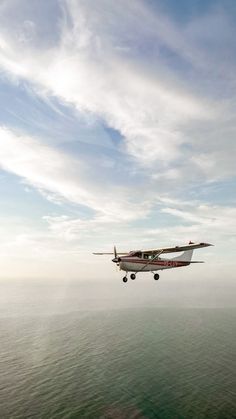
(156, 276)
(125, 279)
(132, 276)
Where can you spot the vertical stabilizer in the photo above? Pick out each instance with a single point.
(185, 256)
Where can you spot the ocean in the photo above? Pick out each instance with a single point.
(72, 351)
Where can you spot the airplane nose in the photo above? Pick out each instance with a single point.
(116, 260)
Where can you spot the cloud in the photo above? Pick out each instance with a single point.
(216, 218)
(54, 172)
(186, 221)
(88, 68)
(113, 66)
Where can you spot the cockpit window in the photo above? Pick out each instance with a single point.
(148, 256)
(137, 254)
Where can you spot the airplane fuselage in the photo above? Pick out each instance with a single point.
(135, 264)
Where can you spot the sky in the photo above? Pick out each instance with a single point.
(117, 126)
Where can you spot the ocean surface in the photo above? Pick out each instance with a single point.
(69, 353)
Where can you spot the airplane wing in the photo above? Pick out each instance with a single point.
(111, 253)
(162, 249)
(174, 249)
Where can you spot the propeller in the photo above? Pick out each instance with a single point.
(116, 259)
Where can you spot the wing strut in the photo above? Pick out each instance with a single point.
(150, 261)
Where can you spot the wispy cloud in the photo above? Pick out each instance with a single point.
(53, 171)
(148, 106)
(165, 115)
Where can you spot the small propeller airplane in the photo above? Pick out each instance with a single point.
(137, 261)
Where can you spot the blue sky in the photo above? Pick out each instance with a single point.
(117, 126)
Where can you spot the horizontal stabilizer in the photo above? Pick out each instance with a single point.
(197, 261)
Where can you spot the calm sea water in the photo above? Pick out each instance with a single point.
(60, 359)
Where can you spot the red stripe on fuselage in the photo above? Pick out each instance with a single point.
(169, 263)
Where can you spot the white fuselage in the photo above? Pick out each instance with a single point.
(136, 264)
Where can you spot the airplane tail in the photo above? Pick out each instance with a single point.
(185, 256)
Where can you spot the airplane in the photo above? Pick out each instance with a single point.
(137, 261)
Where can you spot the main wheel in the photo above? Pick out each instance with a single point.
(125, 279)
(156, 276)
(132, 276)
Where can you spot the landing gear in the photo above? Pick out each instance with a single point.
(125, 279)
(132, 276)
(156, 276)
